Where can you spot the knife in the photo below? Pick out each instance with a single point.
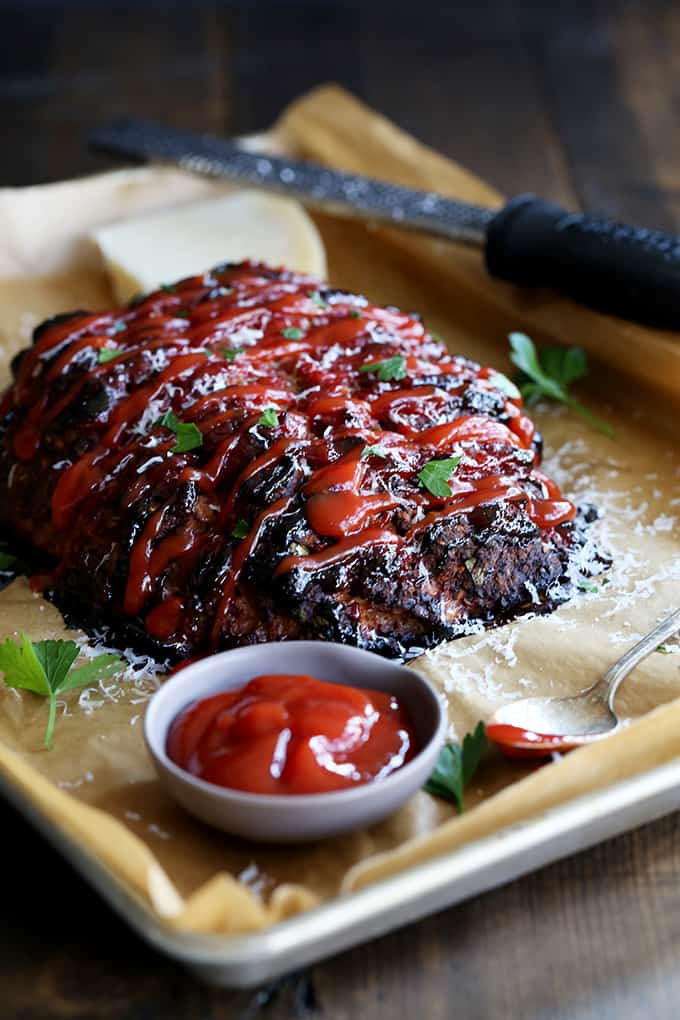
(628, 271)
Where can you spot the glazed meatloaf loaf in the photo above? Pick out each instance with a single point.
(249, 455)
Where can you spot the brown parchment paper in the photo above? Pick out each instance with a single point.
(98, 784)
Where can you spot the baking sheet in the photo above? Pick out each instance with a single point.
(97, 784)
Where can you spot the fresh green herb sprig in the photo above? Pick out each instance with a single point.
(550, 373)
(292, 333)
(435, 475)
(7, 560)
(231, 353)
(241, 528)
(390, 368)
(315, 296)
(456, 765)
(10, 561)
(189, 436)
(107, 354)
(373, 451)
(269, 418)
(44, 667)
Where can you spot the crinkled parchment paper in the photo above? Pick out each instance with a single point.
(98, 784)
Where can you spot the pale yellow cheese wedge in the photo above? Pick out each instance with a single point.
(142, 253)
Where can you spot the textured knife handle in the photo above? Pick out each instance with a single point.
(626, 271)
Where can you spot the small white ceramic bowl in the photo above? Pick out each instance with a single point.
(295, 818)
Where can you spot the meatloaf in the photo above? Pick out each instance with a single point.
(250, 455)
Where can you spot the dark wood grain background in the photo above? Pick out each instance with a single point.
(579, 101)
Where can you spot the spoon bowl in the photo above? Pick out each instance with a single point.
(296, 818)
(543, 725)
(538, 726)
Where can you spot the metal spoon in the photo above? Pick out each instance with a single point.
(538, 726)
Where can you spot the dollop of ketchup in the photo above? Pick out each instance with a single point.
(292, 734)
(518, 742)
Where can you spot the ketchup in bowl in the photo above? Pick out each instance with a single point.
(292, 734)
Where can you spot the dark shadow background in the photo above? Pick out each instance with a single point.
(573, 100)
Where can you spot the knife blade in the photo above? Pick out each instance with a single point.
(632, 272)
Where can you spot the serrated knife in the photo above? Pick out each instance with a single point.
(627, 271)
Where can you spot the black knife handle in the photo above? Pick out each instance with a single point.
(626, 271)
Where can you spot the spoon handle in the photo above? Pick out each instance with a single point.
(616, 673)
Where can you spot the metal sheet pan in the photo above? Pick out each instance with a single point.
(246, 960)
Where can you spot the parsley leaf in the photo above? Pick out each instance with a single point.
(241, 528)
(189, 436)
(7, 560)
(436, 473)
(169, 288)
(169, 420)
(355, 313)
(317, 299)
(108, 354)
(664, 650)
(391, 368)
(231, 353)
(181, 314)
(269, 418)
(373, 451)
(456, 766)
(551, 373)
(505, 385)
(292, 333)
(587, 586)
(44, 668)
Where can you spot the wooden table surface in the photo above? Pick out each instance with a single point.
(577, 101)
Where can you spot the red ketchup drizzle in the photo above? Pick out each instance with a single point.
(517, 742)
(288, 734)
(215, 350)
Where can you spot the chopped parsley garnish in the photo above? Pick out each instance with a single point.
(550, 374)
(391, 368)
(292, 333)
(181, 314)
(355, 313)
(373, 451)
(189, 436)
(314, 296)
(436, 474)
(169, 288)
(231, 353)
(241, 528)
(588, 586)
(664, 650)
(505, 385)
(44, 667)
(456, 765)
(269, 418)
(7, 560)
(108, 354)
